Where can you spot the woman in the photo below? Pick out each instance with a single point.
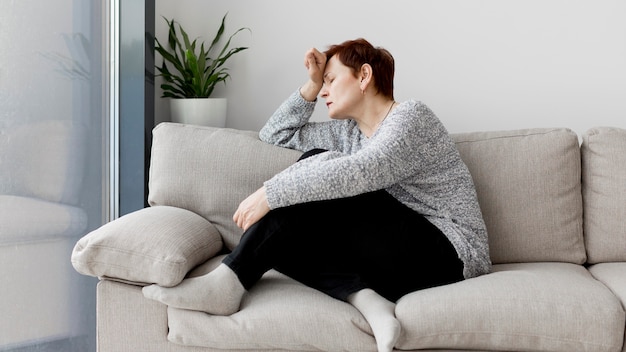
(379, 205)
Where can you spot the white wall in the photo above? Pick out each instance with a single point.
(479, 64)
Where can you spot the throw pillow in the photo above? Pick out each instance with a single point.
(153, 245)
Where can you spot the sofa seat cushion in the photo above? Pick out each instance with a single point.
(613, 275)
(528, 306)
(277, 313)
(26, 219)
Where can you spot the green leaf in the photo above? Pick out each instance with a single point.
(194, 73)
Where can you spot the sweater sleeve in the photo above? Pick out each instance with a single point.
(289, 127)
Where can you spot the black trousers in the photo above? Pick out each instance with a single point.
(341, 246)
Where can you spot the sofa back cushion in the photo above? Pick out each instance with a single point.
(528, 185)
(209, 171)
(603, 153)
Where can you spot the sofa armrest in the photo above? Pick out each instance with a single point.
(155, 245)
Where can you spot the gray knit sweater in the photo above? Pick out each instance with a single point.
(411, 156)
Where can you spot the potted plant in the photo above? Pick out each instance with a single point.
(191, 72)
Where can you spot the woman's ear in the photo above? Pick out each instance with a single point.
(365, 75)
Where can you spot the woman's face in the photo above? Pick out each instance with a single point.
(341, 90)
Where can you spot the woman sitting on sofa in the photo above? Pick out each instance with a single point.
(379, 205)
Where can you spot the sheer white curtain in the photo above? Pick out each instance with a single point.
(53, 168)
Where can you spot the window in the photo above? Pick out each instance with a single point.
(53, 168)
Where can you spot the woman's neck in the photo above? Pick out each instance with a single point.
(374, 116)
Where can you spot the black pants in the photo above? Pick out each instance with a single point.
(341, 246)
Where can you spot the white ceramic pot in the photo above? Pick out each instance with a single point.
(199, 111)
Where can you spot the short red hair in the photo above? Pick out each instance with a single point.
(356, 53)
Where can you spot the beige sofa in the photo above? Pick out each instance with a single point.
(558, 245)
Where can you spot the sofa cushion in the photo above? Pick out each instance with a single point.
(278, 313)
(153, 245)
(603, 153)
(612, 275)
(210, 171)
(528, 185)
(521, 307)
